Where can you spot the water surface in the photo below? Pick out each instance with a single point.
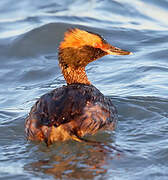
(30, 32)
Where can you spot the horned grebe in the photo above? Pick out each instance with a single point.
(78, 108)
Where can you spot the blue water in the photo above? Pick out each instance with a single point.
(30, 32)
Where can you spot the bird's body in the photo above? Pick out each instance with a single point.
(79, 108)
(70, 112)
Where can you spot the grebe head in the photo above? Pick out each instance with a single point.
(81, 47)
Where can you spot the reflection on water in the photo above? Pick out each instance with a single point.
(74, 160)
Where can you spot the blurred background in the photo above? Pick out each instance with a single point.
(30, 33)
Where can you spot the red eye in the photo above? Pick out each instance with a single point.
(97, 45)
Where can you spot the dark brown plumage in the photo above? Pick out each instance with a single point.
(79, 108)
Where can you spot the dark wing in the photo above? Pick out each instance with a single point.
(66, 103)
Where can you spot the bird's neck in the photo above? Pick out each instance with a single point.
(74, 75)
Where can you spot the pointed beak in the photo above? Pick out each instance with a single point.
(111, 50)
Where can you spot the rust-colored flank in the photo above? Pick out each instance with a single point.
(78, 108)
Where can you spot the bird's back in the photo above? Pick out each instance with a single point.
(75, 109)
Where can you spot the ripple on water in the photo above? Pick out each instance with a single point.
(30, 33)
